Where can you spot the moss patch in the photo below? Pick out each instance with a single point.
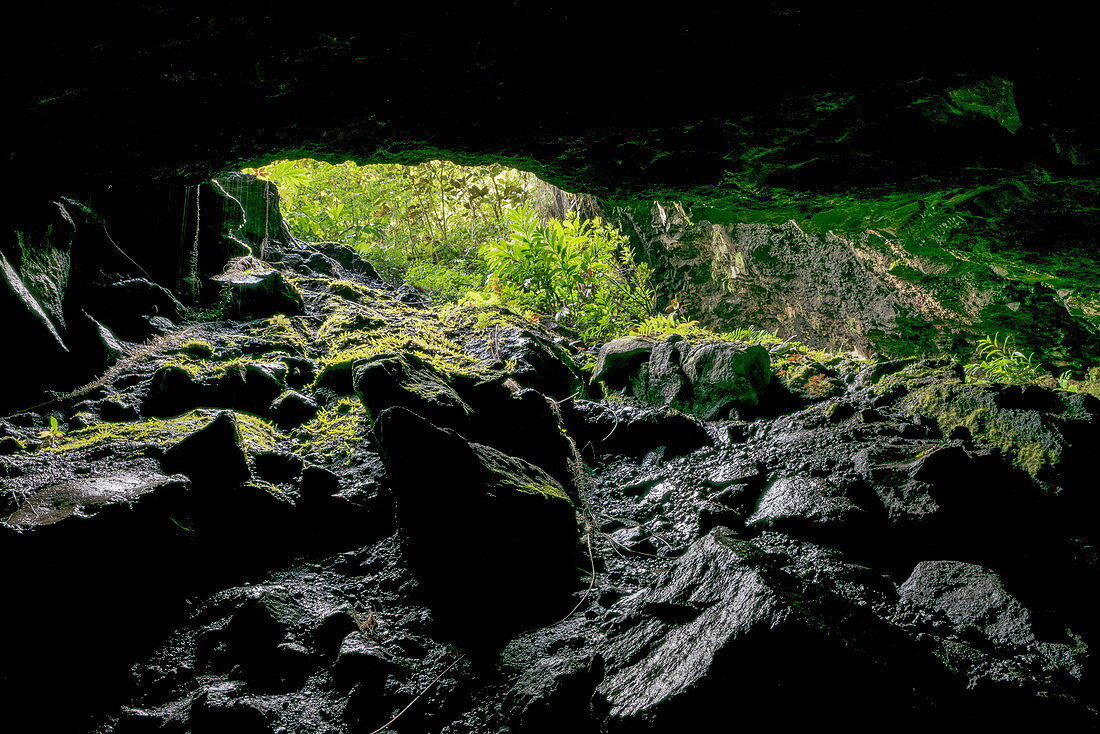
(334, 433)
(256, 433)
(1027, 437)
(546, 490)
(353, 332)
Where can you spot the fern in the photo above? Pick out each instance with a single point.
(1000, 362)
(666, 325)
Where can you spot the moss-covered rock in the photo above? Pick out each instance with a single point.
(706, 378)
(255, 289)
(1043, 431)
(334, 432)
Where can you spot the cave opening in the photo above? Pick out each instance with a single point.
(835, 446)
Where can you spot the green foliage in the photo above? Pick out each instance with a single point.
(1001, 363)
(53, 432)
(453, 231)
(665, 325)
(421, 223)
(578, 272)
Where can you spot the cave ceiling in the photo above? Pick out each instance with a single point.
(766, 111)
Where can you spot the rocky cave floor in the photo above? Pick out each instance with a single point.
(302, 523)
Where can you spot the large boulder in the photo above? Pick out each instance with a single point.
(619, 357)
(725, 634)
(712, 380)
(987, 634)
(214, 454)
(492, 538)
(389, 380)
(726, 374)
(254, 289)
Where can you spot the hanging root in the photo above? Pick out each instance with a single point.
(427, 688)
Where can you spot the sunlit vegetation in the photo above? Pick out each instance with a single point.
(485, 232)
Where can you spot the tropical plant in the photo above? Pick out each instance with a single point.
(52, 433)
(1000, 362)
(397, 216)
(578, 272)
(666, 325)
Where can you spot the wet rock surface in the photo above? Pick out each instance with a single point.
(709, 380)
(302, 522)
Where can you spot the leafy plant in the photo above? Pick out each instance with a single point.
(1000, 362)
(397, 216)
(666, 325)
(578, 272)
(451, 230)
(52, 433)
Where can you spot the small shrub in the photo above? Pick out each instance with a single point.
(578, 272)
(1000, 362)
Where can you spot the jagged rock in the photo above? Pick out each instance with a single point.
(111, 346)
(292, 408)
(708, 380)
(805, 500)
(388, 381)
(26, 323)
(988, 635)
(619, 357)
(128, 305)
(970, 600)
(255, 289)
(522, 423)
(481, 525)
(724, 629)
(213, 454)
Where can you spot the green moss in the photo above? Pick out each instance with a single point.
(256, 433)
(548, 491)
(196, 348)
(273, 489)
(352, 333)
(334, 432)
(481, 312)
(1031, 446)
(293, 333)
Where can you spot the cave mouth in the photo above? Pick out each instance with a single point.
(412, 222)
(487, 234)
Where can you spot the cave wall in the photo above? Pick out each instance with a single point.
(83, 279)
(961, 134)
(934, 287)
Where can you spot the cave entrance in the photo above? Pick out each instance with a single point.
(487, 233)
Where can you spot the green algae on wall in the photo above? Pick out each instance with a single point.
(1016, 258)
